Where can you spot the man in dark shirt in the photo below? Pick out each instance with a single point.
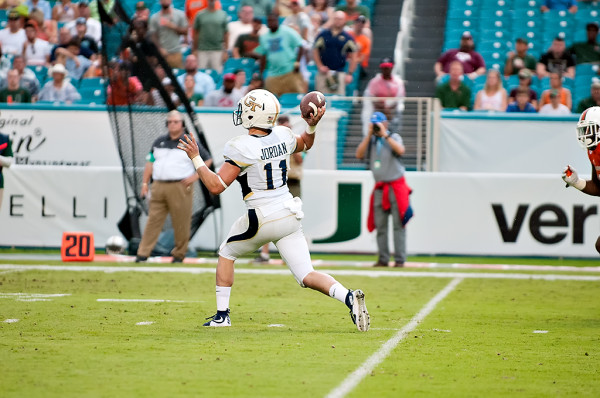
(13, 93)
(587, 51)
(557, 60)
(246, 43)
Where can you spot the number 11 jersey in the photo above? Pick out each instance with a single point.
(264, 163)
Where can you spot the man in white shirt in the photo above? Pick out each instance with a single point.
(93, 27)
(35, 50)
(555, 107)
(241, 26)
(12, 37)
(204, 84)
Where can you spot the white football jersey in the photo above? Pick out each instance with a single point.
(264, 162)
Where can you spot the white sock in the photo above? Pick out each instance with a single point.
(223, 294)
(338, 292)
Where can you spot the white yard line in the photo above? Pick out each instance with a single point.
(112, 300)
(285, 271)
(367, 367)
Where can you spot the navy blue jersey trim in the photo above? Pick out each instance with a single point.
(252, 228)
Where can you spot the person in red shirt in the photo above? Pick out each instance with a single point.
(193, 7)
(472, 61)
(588, 135)
(123, 89)
(363, 42)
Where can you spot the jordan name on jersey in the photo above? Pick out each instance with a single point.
(264, 164)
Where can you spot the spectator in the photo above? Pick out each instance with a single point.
(65, 11)
(554, 107)
(193, 7)
(352, 11)
(556, 60)
(242, 26)
(564, 94)
(294, 178)
(27, 78)
(156, 98)
(454, 93)
(204, 84)
(384, 85)
(570, 5)
(47, 29)
(588, 51)
(323, 9)
(12, 38)
(42, 5)
(95, 13)
(166, 27)
(93, 26)
(58, 89)
(492, 97)
(86, 41)
(519, 59)
(123, 89)
(262, 8)
(284, 7)
(521, 104)
(593, 100)
(331, 50)
(363, 42)
(76, 64)
(247, 42)
(209, 35)
(256, 82)
(13, 93)
(142, 12)
(225, 97)
(280, 50)
(525, 77)
(390, 197)
(172, 176)
(240, 80)
(64, 38)
(6, 160)
(299, 20)
(35, 50)
(472, 62)
(189, 85)
(139, 39)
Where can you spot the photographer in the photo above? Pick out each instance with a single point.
(383, 150)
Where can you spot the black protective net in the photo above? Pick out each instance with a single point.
(136, 126)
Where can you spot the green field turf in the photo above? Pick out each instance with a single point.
(285, 341)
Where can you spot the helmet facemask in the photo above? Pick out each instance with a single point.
(588, 133)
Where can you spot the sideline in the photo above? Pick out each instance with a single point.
(367, 367)
(363, 273)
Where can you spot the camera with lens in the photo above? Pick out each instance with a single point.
(376, 128)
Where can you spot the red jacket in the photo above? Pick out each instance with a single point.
(401, 191)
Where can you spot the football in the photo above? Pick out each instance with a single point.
(311, 102)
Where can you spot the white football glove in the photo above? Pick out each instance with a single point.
(571, 177)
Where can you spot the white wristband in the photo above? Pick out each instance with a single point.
(311, 129)
(198, 162)
(580, 184)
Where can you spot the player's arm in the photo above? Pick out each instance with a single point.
(305, 141)
(214, 182)
(590, 187)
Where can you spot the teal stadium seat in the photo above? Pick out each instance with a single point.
(41, 73)
(92, 82)
(92, 95)
(290, 100)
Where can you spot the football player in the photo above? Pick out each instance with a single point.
(259, 161)
(588, 135)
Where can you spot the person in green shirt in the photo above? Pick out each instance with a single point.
(593, 100)
(14, 93)
(519, 59)
(588, 51)
(454, 93)
(210, 37)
